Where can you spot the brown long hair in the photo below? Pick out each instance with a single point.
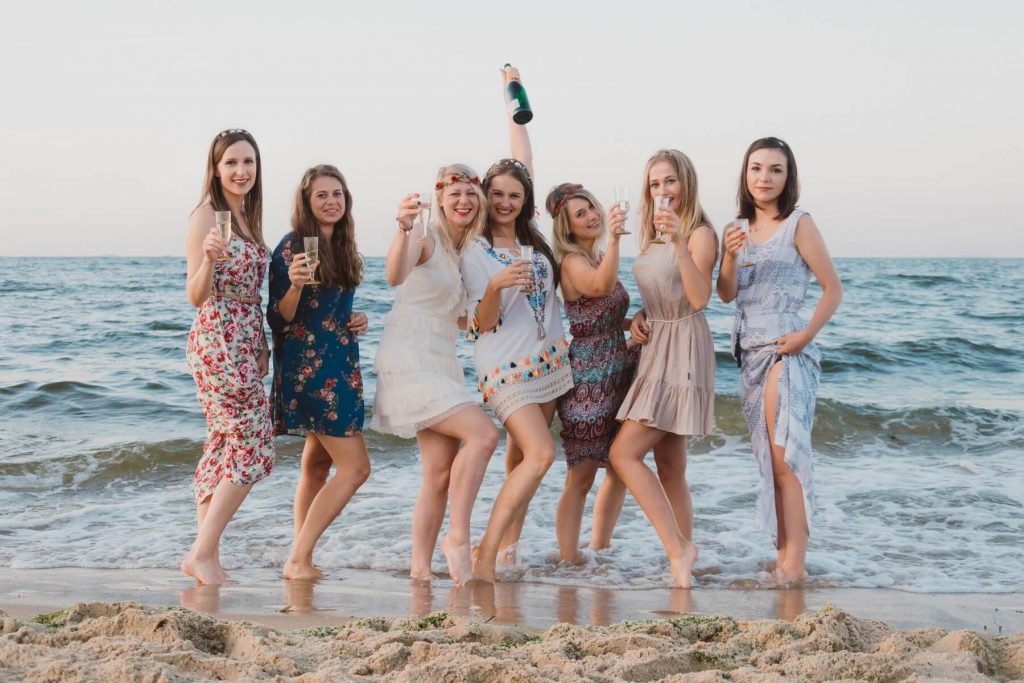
(691, 213)
(213, 191)
(340, 263)
(526, 228)
(790, 191)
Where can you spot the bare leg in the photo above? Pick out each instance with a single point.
(530, 426)
(479, 438)
(352, 469)
(578, 481)
(202, 562)
(789, 494)
(506, 551)
(627, 457)
(314, 469)
(607, 507)
(437, 452)
(670, 459)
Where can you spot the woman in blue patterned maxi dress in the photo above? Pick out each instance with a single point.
(780, 363)
(318, 388)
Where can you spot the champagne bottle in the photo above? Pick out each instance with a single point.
(515, 95)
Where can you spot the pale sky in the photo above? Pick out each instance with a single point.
(905, 117)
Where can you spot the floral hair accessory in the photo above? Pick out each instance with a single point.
(456, 178)
(504, 164)
(232, 131)
(568, 192)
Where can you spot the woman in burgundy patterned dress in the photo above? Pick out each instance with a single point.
(602, 364)
(227, 348)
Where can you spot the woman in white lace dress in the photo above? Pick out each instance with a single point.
(780, 363)
(420, 390)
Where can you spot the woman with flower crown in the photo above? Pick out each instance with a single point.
(420, 390)
(520, 348)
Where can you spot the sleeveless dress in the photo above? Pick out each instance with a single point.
(223, 345)
(419, 378)
(602, 371)
(524, 359)
(768, 302)
(674, 389)
(318, 386)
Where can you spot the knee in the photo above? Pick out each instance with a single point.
(540, 460)
(487, 440)
(580, 482)
(360, 473)
(437, 483)
(671, 466)
(316, 469)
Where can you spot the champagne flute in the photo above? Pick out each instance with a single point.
(311, 246)
(660, 202)
(744, 225)
(526, 254)
(223, 219)
(622, 200)
(424, 217)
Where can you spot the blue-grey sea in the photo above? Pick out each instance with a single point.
(919, 439)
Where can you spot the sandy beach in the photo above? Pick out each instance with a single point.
(152, 625)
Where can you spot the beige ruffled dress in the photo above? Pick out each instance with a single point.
(674, 389)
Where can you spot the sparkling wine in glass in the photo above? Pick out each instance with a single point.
(660, 202)
(744, 225)
(622, 201)
(311, 246)
(223, 220)
(424, 217)
(526, 254)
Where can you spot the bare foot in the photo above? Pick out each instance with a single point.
(460, 562)
(682, 568)
(207, 572)
(786, 578)
(508, 556)
(422, 575)
(294, 569)
(482, 569)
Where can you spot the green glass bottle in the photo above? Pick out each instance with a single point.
(515, 95)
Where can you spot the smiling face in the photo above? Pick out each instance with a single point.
(327, 200)
(766, 175)
(460, 204)
(505, 199)
(584, 220)
(237, 168)
(663, 181)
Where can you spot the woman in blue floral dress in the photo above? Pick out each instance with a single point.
(318, 388)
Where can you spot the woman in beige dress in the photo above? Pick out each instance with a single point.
(673, 394)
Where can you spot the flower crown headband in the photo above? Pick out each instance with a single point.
(456, 178)
(566, 194)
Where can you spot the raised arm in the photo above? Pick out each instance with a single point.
(407, 250)
(203, 246)
(518, 136)
(732, 242)
(580, 278)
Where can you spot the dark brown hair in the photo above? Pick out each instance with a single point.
(340, 263)
(790, 192)
(213, 191)
(526, 229)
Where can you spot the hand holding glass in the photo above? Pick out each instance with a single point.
(744, 226)
(424, 217)
(223, 219)
(526, 254)
(622, 201)
(311, 248)
(660, 203)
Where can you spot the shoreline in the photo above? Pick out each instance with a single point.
(263, 597)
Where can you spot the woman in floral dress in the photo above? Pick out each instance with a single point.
(780, 362)
(227, 348)
(602, 364)
(318, 388)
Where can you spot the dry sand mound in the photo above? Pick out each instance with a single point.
(128, 642)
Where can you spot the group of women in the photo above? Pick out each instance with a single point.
(481, 265)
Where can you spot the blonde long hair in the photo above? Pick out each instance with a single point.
(454, 247)
(557, 205)
(691, 213)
